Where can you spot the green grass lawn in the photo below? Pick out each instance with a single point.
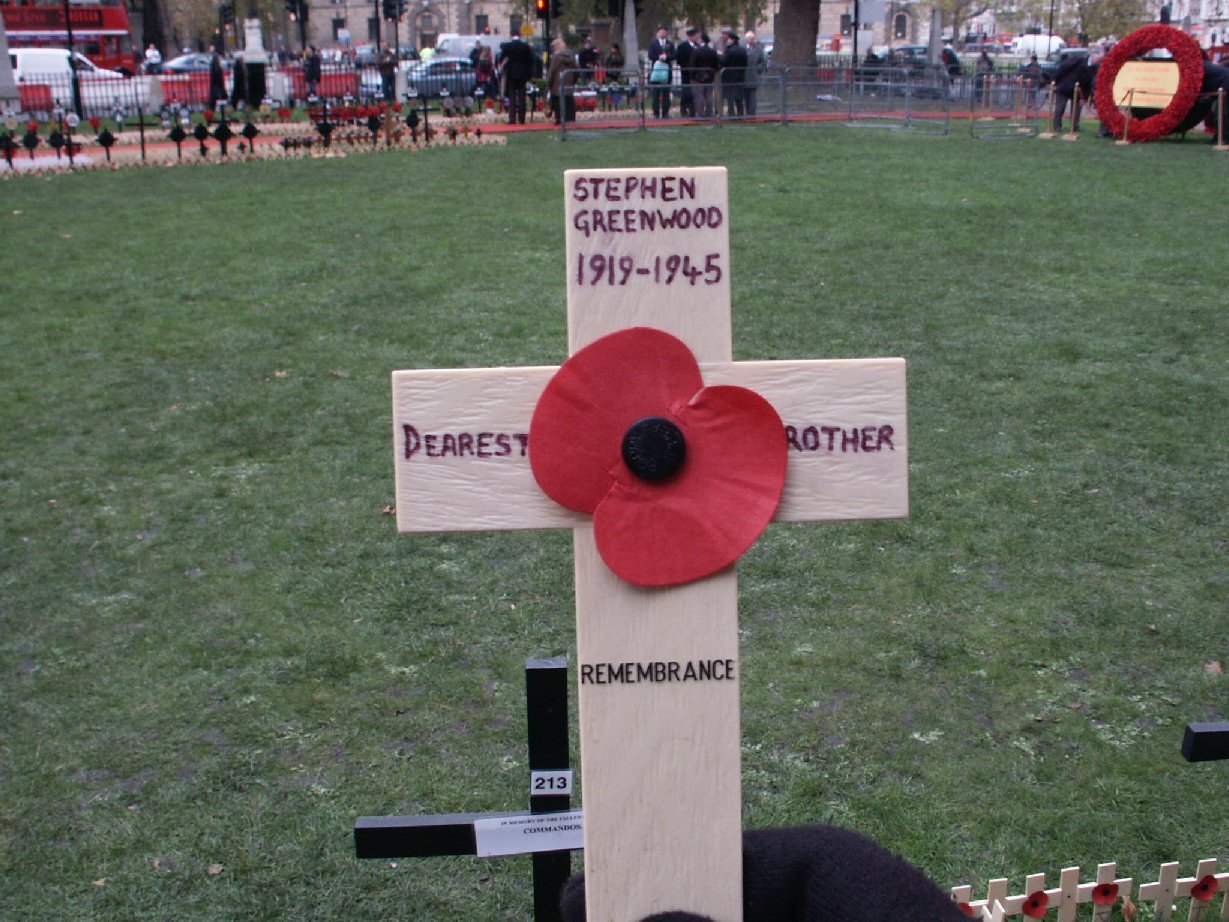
(216, 652)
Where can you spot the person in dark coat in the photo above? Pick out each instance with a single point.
(661, 49)
(1076, 71)
(311, 70)
(217, 77)
(517, 59)
(615, 62)
(704, 65)
(588, 59)
(733, 75)
(1215, 78)
(682, 56)
(1032, 81)
(388, 74)
(951, 61)
(816, 874)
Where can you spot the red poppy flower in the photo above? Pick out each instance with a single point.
(680, 478)
(1186, 54)
(32, 126)
(1035, 906)
(1105, 894)
(965, 908)
(1204, 888)
(95, 121)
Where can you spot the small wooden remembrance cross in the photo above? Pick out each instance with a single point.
(657, 667)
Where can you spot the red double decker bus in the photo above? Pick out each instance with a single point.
(100, 29)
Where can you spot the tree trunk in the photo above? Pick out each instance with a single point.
(157, 26)
(795, 32)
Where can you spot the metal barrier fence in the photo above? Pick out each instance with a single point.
(41, 95)
(918, 100)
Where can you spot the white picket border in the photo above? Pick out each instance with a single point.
(1064, 901)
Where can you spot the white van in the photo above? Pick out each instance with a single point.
(55, 62)
(453, 45)
(1041, 45)
(47, 72)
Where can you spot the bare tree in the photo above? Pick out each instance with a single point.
(1101, 18)
(958, 13)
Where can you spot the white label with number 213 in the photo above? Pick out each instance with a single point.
(556, 782)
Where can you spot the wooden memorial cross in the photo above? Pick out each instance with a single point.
(660, 755)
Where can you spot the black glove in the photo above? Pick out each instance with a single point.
(815, 874)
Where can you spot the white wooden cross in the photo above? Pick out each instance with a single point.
(660, 762)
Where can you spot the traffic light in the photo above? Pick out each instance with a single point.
(226, 12)
(556, 8)
(541, 7)
(390, 9)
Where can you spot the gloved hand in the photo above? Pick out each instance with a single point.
(815, 874)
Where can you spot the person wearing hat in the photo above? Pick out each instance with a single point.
(733, 74)
(682, 56)
(661, 52)
(704, 64)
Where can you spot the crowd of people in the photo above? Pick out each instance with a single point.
(685, 71)
(735, 66)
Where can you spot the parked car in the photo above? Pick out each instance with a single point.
(194, 63)
(431, 77)
(450, 44)
(910, 57)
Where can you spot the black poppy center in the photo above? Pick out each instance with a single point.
(654, 448)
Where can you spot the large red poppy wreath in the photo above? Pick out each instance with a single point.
(1186, 55)
(680, 478)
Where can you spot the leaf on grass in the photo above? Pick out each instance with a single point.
(213, 870)
(389, 509)
(1128, 909)
(338, 374)
(280, 373)
(1213, 668)
(101, 882)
